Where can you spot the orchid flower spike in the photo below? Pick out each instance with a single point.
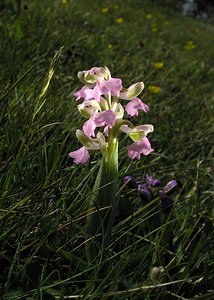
(100, 105)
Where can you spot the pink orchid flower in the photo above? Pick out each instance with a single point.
(86, 92)
(106, 117)
(134, 105)
(112, 86)
(102, 87)
(100, 119)
(80, 156)
(89, 127)
(101, 107)
(138, 148)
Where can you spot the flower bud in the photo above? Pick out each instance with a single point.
(152, 181)
(130, 182)
(86, 78)
(93, 75)
(156, 273)
(170, 187)
(145, 193)
(105, 72)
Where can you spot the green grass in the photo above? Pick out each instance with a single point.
(44, 197)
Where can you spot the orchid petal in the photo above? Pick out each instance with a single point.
(85, 92)
(89, 127)
(138, 148)
(113, 86)
(132, 92)
(152, 181)
(145, 193)
(97, 92)
(80, 156)
(134, 105)
(105, 130)
(147, 128)
(170, 186)
(126, 129)
(105, 118)
(138, 132)
(131, 182)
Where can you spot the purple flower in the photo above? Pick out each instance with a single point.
(145, 193)
(130, 182)
(170, 186)
(152, 181)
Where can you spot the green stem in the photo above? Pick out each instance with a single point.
(99, 224)
(108, 97)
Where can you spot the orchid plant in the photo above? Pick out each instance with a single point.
(101, 95)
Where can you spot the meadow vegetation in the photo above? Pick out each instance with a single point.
(44, 196)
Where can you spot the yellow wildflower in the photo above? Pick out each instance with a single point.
(154, 89)
(105, 10)
(65, 2)
(154, 27)
(109, 46)
(166, 23)
(119, 20)
(190, 45)
(158, 65)
(149, 16)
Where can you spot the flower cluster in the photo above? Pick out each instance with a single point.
(101, 107)
(150, 190)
